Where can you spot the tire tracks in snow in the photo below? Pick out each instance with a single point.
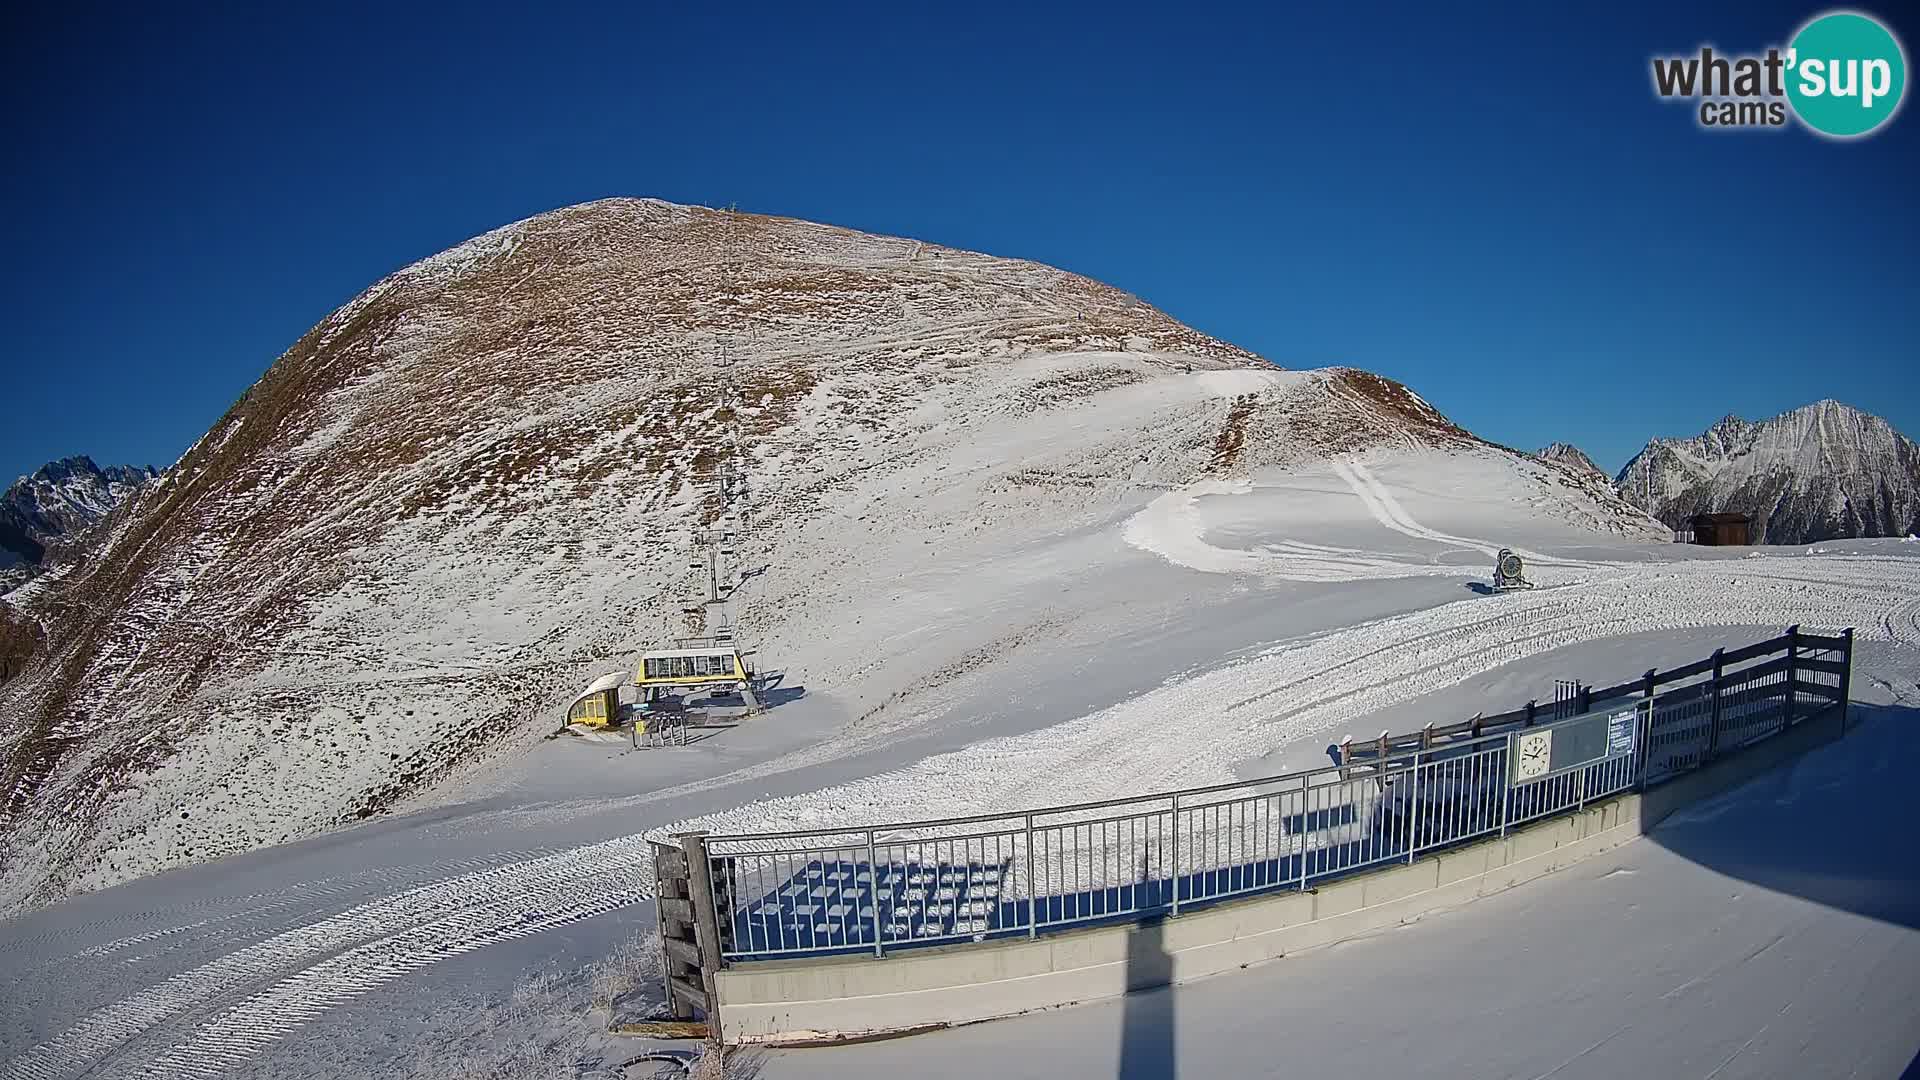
(1902, 624)
(1386, 510)
(1172, 527)
(1198, 730)
(298, 973)
(213, 1018)
(320, 891)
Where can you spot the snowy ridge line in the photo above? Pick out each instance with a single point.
(502, 894)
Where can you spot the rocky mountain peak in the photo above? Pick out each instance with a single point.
(476, 486)
(1571, 456)
(1817, 472)
(47, 509)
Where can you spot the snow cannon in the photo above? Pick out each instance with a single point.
(1509, 572)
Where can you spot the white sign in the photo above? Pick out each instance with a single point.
(1621, 727)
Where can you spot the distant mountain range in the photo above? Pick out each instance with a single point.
(1820, 472)
(44, 511)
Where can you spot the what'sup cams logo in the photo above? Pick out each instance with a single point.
(1843, 75)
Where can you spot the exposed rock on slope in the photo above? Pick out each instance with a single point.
(1820, 472)
(1572, 457)
(473, 487)
(20, 638)
(1611, 513)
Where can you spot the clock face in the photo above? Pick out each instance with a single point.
(1532, 751)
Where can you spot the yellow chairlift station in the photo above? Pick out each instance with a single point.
(692, 664)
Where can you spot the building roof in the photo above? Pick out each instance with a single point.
(605, 682)
(711, 650)
(1728, 518)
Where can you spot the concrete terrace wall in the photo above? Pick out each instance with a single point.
(857, 996)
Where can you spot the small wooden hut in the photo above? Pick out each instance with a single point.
(1723, 530)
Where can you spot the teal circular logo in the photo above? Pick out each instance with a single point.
(1846, 74)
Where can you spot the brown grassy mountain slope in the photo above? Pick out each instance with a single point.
(471, 488)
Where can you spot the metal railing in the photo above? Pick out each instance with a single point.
(887, 887)
(658, 729)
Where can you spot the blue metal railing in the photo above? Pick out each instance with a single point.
(886, 887)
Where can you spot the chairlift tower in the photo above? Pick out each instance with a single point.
(718, 540)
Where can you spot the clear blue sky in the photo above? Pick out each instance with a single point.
(1490, 206)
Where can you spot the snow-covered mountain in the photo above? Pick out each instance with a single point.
(1819, 472)
(46, 509)
(473, 488)
(1572, 457)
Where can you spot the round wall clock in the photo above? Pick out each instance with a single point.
(1533, 752)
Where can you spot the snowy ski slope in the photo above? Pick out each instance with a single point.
(1025, 540)
(288, 977)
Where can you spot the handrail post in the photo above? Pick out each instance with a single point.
(1174, 872)
(1413, 816)
(1713, 728)
(1846, 677)
(706, 924)
(679, 1009)
(1033, 890)
(1642, 742)
(1506, 787)
(1306, 811)
(1793, 676)
(873, 884)
(1652, 680)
